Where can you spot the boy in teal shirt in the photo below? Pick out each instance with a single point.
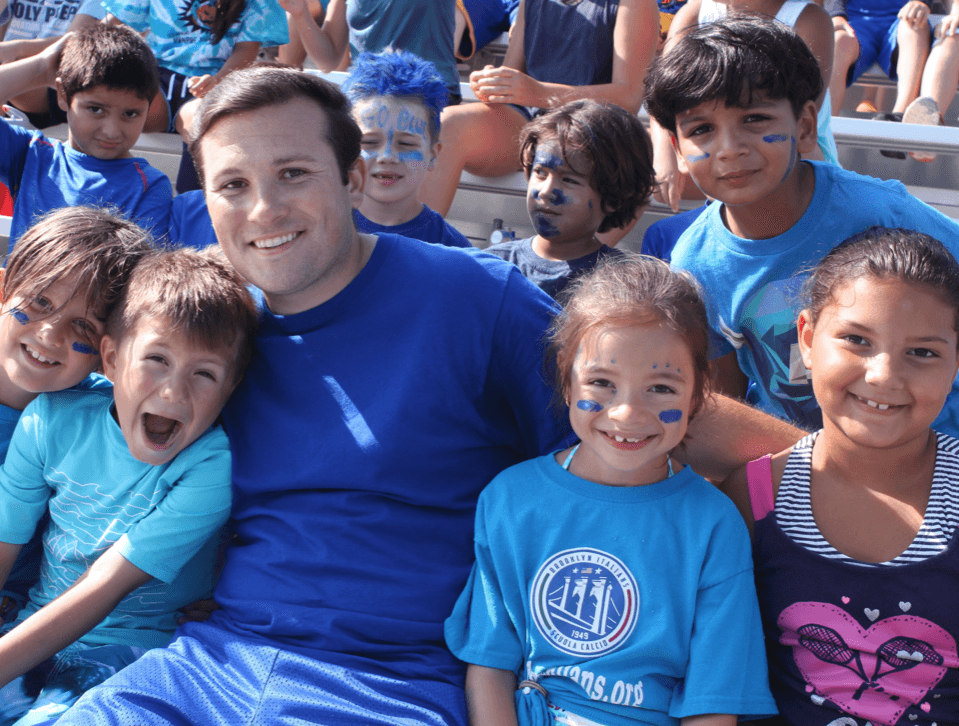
(136, 482)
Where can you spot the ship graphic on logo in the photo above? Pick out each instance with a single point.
(584, 602)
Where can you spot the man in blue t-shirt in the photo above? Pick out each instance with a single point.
(392, 381)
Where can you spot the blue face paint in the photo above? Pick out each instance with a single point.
(775, 138)
(84, 349)
(544, 227)
(410, 157)
(792, 159)
(589, 203)
(696, 157)
(549, 161)
(590, 406)
(671, 416)
(19, 316)
(558, 199)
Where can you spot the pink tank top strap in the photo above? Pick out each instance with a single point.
(759, 478)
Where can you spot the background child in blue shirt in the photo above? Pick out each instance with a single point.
(73, 264)
(397, 98)
(105, 78)
(614, 585)
(738, 96)
(136, 483)
(589, 169)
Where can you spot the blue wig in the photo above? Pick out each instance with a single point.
(399, 74)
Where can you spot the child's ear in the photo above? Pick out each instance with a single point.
(680, 159)
(108, 357)
(61, 96)
(355, 179)
(805, 328)
(807, 134)
(435, 150)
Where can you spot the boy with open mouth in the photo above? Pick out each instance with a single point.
(136, 481)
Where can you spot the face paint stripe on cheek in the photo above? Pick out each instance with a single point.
(696, 157)
(85, 349)
(673, 415)
(775, 138)
(590, 406)
(20, 316)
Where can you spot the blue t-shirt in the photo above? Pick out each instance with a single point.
(628, 604)
(550, 276)
(427, 226)
(660, 237)
(362, 435)
(752, 286)
(44, 175)
(68, 456)
(190, 223)
(423, 27)
(180, 36)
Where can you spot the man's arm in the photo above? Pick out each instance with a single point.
(77, 611)
(727, 434)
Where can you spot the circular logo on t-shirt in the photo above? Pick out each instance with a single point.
(584, 601)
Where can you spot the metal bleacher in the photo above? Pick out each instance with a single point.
(483, 205)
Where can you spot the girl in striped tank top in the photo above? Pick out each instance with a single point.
(855, 527)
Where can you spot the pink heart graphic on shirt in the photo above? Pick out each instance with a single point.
(874, 674)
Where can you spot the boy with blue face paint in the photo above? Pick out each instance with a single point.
(589, 168)
(397, 98)
(738, 97)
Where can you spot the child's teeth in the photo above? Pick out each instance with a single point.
(880, 406)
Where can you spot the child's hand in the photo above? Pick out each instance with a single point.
(915, 13)
(199, 86)
(49, 60)
(294, 7)
(505, 85)
(948, 26)
(198, 612)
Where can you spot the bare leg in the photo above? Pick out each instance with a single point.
(941, 77)
(845, 53)
(913, 49)
(481, 138)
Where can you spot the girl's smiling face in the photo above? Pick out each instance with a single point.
(883, 358)
(629, 398)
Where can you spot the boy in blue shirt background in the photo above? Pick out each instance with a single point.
(397, 98)
(105, 78)
(589, 169)
(738, 98)
(136, 481)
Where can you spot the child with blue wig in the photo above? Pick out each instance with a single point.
(397, 98)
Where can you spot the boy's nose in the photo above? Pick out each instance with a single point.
(174, 388)
(50, 331)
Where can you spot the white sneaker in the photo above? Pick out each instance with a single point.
(924, 110)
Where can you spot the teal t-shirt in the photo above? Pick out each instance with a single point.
(68, 456)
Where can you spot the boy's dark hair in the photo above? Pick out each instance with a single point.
(259, 87)
(880, 253)
(731, 61)
(614, 141)
(399, 74)
(105, 55)
(198, 293)
(623, 292)
(99, 247)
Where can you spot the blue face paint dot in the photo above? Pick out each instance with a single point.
(667, 365)
(655, 366)
(671, 416)
(84, 349)
(20, 316)
(697, 157)
(590, 406)
(559, 199)
(775, 138)
(589, 203)
(547, 160)
(544, 227)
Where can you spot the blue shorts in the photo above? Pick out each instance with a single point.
(209, 676)
(877, 36)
